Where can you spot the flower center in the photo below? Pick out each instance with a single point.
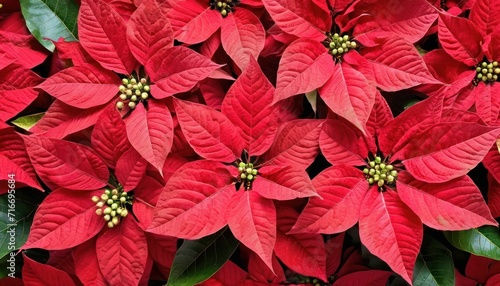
(223, 6)
(112, 204)
(132, 92)
(338, 45)
(247, 174)
(487, 72)
(380, 173)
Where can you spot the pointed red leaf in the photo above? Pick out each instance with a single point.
(193, 21)
(487, 101)
(61, 120)
(109, 138)
(229, 274)
(162, 249)
(130, 169)
(67, 164)
(397, 65)
(348, 94)
(454, 205)
(208, 131)
(86, 265)
(242, 36)
(391, 231)
(248, 105)
(151, 132)
(122, 253)
(82, 86)
(304, 67)
(39, 274)
(194, 201)
(342, 189)
(460, 38)
(361, 278)
(16, 89)
(189, 68)
(493, 196)
(259, 271)
(64, 219)
(381, 112)
(303, 253)
(446, 150)
(24, 48)
(103, 34)
(73, 52)
(252, 220)
(302, 18)
(10, 167)
(295, 144)
(340, 144)
(283, 182)
(333, 248)
(148, 31)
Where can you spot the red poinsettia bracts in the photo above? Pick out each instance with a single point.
(413, 171)
(249, 163)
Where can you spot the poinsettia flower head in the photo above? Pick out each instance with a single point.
(408, 171)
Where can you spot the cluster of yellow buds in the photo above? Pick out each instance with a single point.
(380, 173)
(247, 174)
(112, 204)
(487, 72)
(132, 92)
(339, 44)
(224, 6)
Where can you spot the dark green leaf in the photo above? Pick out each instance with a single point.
(197, 260)
(434, 265)
(26, 122)
(51, 19)
(483, 241)
(22, 207)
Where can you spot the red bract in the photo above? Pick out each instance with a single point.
(84, 91)
(201, 197)
(345, 78)
(414, 172)
(479, 270)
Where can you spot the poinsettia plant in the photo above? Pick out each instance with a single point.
(247, 142)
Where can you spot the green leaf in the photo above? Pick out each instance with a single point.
(26, 122)
(434, 265)
(483, 241)
(51, 19)
(16, 215)
(197, 260)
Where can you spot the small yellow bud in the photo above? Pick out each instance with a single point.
(122, 88)
(224, 13)
(131, 105)
(107, 217)
(119, 105)
(107, 210)
(104, 197)
(98, 211)
(95, 199)
(113, 213)
(123, 199)
(133, 98)
(124, 213)
(133, 81)
(340, 50)
(115, 220)
(250, 177)
(146, 88)
(380, 183)
(125, 81)
(100, 204)
(123, 96)
(110, 201)
(143, 80)
(110, 224)
(144, 95)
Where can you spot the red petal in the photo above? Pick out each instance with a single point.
(259, 271)
(454, 205)
(342, 189)
(252, 220)
(283, 182)
(67, 164)
(229, 274)
(103, 34)
(391, 231)
(35, 273)
(248, 105)
(86, 264)
(304, 67)
(340, 144)
(151, 132)
(64, 219)
(242, 36)
(23, 48)
(122, 253)
(148, 31)
(485, 14)
(208, 131)
(130, 169)
(487, 101)
(493, 195)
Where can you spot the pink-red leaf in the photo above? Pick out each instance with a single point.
(252, 220)
(67, 164)
(460, 38)
(302, 18)
(303, 253)
(64, 219)
(361, 278)
(82, 86)
(194, 201)
(130, 169)
(391, 231)
(348, 94)
(39, 274)
(189, 68)
(454, 205)
(122, 253)
(86, 265)
(151, 132)
(296, 143)
(248, 105)
(242, 37)
(148, 31)
(283, 182)
(103, 34)
(208, 131)
(487, 101)
(342, 189)
(304, 67)
(340, 144)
